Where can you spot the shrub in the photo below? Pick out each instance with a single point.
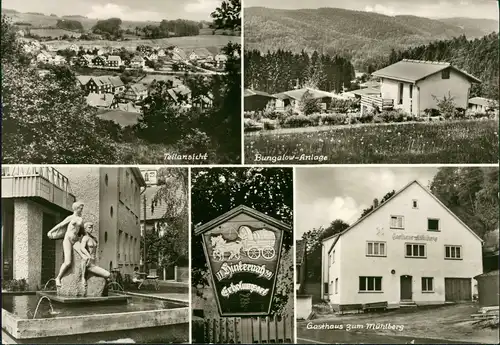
(309, 105)
(334, 119)
(432, 112)
(14, 285)
(366, 118)
(378, 119)
(269, 124)
(298, 121)
(194, 142)
(252, 125)
(344, 105)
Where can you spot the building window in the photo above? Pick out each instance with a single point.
(400, 93)
(427, 284)
(111, 211)
(415, 204)
(414, 250)
(433, 224)
(106, 180)
(445, 74)
(375, 249)
(370, 284)
(453, 252)
(333, 257)
(336, 285)
(105, 236)
(411, 91)
(325, 287)
(397, 222)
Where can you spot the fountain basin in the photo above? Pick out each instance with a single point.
(64, 299)
(139, 319)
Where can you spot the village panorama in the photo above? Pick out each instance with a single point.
(135, 91)
(371, 84)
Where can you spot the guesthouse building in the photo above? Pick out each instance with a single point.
(409, 250)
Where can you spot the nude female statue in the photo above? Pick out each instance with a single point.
(88, 246)
(71, 236)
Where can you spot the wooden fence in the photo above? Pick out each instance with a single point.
(249, 330)
(375, 101)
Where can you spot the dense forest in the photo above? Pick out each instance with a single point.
(478, 57)
(281, 70)
(360, 35)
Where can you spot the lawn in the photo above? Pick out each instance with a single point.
(464, 141)
(448, 323)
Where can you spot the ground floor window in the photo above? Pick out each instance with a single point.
(427, 284)
(336, 285)
(325, 287)
(367, 284)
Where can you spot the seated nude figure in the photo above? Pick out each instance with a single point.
(74, 229)
(88, 246)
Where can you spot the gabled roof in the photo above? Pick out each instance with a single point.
(415, 70)
(237, 211)
(114, 58)
(138, 88)
(83, 79)
(115, 81)
(299, 93)
(249, 92)
(202, 52)
(366, 91)
(485, 102)
(137, 58)
(394, 197)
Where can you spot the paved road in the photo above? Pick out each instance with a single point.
(344, 337)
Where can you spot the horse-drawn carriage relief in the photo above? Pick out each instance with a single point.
(255, 243)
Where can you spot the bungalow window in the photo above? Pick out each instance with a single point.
(453, 252)
(445, 74)
(411, 91)
(415, 250)
(325, 287)
(433, 224)
(400, 93)
(370, 284)
(427, 284)
(397, 222)
(336, 285)
(375, 249)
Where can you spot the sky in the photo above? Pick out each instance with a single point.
(422, 8)
(324, 194)
(143, 10)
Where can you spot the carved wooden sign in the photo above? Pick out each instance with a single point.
(243, 250)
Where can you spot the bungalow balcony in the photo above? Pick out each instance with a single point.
(44, 184)
(369, 102)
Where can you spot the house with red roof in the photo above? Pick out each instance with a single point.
(415, 86)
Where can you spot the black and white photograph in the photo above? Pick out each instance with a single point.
(95, 255)
(397, 255)
(121, 82)
(362, 82)
(242, 255)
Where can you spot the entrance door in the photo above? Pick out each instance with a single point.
(406, 287)
(457, 289)
(48, 249)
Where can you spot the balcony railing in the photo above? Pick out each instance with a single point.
(371, 101)
(43, 182)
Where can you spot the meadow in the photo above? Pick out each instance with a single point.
(466, 141)
(200, 41)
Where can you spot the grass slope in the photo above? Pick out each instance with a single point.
(403, 143)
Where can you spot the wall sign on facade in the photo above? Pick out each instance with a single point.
(243, 250)
(414, 237)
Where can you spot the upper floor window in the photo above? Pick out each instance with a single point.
(375, 249)
(397, 222)
(433, 224)
(414, 204)
(445, 74)
(453, 252)
(415, 250)
(333, 257)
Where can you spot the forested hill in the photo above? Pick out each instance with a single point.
(478, 57)
(363, 35)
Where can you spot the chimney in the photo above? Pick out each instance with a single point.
(375, 203)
